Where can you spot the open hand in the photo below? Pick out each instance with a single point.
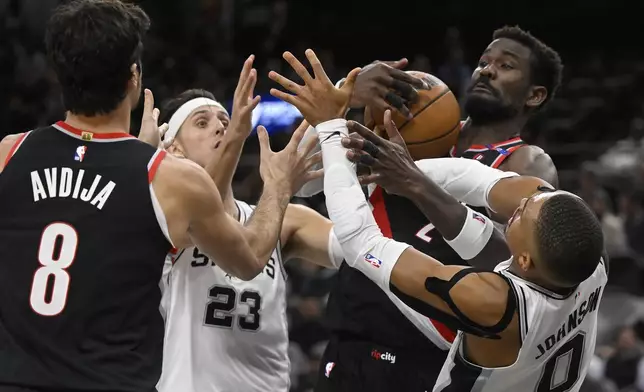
(318, 100)
(290, 168)
(151, 132)
(244, 102)
(383, 85)
(389, 161)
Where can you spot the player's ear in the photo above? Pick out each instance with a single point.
(537, 95)
(176, 149)
(524, 260)
(135, 77)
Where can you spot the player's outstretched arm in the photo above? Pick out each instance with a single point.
(472, 302)
(196, 216)
(309, 236)
(223, 163)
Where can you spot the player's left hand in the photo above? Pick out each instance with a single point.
(244, 102)
(318, 100)
(392, 167)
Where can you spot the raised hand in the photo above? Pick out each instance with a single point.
(391, 165)
(290, 168)
(318, 100)
(151, 132)
(244, 102)
(383, 85)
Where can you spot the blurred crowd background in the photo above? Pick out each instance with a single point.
(594, 128)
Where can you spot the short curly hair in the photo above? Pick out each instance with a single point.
(92, 45)
(546, 66)
(569, 239)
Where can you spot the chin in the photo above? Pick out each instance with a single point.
(483, 108)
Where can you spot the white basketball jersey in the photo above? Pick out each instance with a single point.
(558, 341)
(224, 334)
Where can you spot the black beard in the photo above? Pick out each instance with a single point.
(487, 110)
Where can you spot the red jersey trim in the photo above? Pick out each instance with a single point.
(155, 161)
(380, 212)
(15, 147)
(88, 136)
(502, 157)
(382, 219)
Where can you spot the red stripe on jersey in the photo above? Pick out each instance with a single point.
(152, 171)
(380, 212)
(444, 331)
(382, 219)
(99, 136)
(498, 161)
(494, 145)
(14, 148)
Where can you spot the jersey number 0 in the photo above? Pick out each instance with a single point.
(56, 253)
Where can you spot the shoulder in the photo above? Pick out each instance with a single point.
(532, 161)
(184, 181)
(7, 144)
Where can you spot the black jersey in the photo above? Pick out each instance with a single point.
(81, 257)
(357, 307)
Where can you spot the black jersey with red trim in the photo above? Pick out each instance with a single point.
(81, 257)
(357, 307)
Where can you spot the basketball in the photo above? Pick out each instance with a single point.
(435, 126)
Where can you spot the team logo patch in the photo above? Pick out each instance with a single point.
(80, 153)
(389, 357)
(478, 217)
(327, 369)
(87, 135)
(373, 260)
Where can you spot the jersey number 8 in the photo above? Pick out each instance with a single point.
(223, 301)
(56, 253)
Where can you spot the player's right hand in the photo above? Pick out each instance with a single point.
(318, 100)
(290, 168)
(150, 131)
(383, 85)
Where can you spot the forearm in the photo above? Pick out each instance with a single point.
(445, 212)
(263, 228)
(221, 168)
(467, 232)
(467, 180)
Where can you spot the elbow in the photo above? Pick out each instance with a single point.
(250, 271)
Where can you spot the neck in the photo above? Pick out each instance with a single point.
(514, 268)
(117, 120)
(492, 132)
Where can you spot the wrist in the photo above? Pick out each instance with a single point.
(280, 190)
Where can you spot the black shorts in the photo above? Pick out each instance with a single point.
(354, 366)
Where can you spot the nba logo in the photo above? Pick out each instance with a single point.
(373, 260)
(327, 369)
(478, 217)
(478, 157)
(80, 153)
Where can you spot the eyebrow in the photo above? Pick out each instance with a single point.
(195, 114)
(505, 52)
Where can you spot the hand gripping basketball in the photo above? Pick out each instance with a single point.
(318, 100)
(391, 165)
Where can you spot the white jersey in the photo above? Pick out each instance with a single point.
(558, 341)
(224, 334)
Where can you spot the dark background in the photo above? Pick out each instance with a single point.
(593, 129)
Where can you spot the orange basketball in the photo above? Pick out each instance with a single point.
(435, 126)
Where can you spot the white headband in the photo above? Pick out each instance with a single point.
(180, 116)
